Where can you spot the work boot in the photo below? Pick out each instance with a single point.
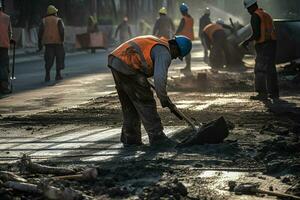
(259, 97)
(47, 76)
(58, 76)
(4, 88)
(161, 139)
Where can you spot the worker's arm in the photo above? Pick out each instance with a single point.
(117, 30)
(40, 35)
(155, 28)
(180, 27)
(255, 24)
(129, 31)
(162, 60)
(172, 25)
(61, 29)
(206, 40)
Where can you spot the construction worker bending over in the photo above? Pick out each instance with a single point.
(164, 26)
(51, 34)
(186, 28)
(266, 82)
(131, 64)
(5, 40)
(215, 39)
(203, 22)
(123, 30)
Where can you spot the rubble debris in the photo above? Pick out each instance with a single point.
(213, 132)
(253, 189)
(88, 174)
(26, 165)
(23, 187)
(270, 128)
(171, 190)
(9, 176)
(53, 193)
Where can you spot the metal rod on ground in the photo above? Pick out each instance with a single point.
(12, 78)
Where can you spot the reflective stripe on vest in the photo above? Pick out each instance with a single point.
(4, 30)
(136, 53)
(51, 33)
(188, 29)
(210, 29)
(267, 29)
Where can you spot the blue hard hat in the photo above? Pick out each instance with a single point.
(184, 45)
(183, 7)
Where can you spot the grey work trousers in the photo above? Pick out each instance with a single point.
(138, 105)
(54, 52)
(266, 81)
(219, 53)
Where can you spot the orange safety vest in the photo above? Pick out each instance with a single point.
(136, 53)
(267, 29)
(188, 29)
(4, 30)
(51, 33)
(210, 29)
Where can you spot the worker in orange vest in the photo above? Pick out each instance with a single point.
(186, 28)
(131, 64)
(5, 40)
(264, 35)
(215, 39)
(51, 34)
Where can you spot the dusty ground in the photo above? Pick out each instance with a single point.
(263, 147)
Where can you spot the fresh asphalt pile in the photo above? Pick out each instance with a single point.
(262, 148)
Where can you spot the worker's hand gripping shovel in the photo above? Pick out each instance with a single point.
(180, 115)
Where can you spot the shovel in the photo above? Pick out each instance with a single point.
(213, 132)
(182, 116)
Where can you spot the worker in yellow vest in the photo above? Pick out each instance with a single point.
(215, 39)
(186, 28)
(51, 35)
(264, 35)
(5, 40)
(131, 64)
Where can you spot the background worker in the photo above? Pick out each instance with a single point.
(266, 82)
(51, 34)
(123, 30)
(186, 28)
(131, 64)
(215, 39)
(203, 22)
(164, 26)
(92, 27)
(5, 40)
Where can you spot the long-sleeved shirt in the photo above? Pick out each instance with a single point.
(161, 58)
(203, 21)
(255, 24)
(125, 31)
(164, 26)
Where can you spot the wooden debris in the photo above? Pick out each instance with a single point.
(22, 187)
(89, 174)
(27, 165)
(9, 176)
(252, 189)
